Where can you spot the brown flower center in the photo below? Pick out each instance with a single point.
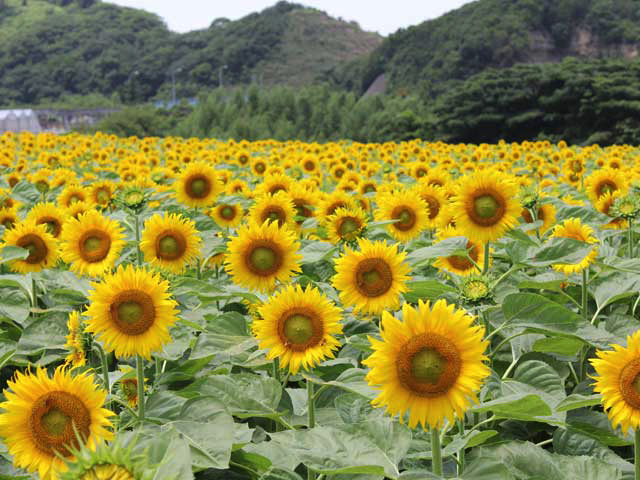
(260, 167)
(405, 216)
(433, 204)
(349, 226)
(605, 187)
(53, 225)
(228, 212)
(274, 213)
(630, 383)
(300, 328)
(487, 208)
(133, 312)
(463, 263)
(198, 186)
(309, 166)
(94, 245)
(103, 195)
(428, 365)
(53, 418)
(170, 245)
(263, 258)
(373, 277)
(37, 248)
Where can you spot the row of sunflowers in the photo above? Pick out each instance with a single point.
(203, 309)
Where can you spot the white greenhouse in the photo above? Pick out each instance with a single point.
(24, 120)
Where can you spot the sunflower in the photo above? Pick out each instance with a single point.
(409, 211)
(304, 200)
(617, 380)
(486, 205)
(131, 312)
(573, 228)
(227, 215)
(277, 208)
(75, 341)
(92, 243)
(198, 185)
(274, 184)
(603, 181)
(298, 327)
(101, 193)
(546, 213)
(128, 384)
(346, 224)
(49, 215)
(78, 208)
(373, 278)
(604, 205)
(435, 199)
(8, 217)
(71, 194)
(261, 254)
(43, 251)
(430, 364)
(170, 242)
(457, 263)
(45, 418)
(330, 203)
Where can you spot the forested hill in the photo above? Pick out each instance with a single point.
(436, 54)
(76, 47)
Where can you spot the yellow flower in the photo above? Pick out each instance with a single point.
(198, 185)
(409, 211)
(49, 215)
(72, 194)
(617, 380)
(170, 242)
(573, 228)
(298, 327)
(131, 312)
(346, 224)
(486, 205)
(546, 213)
(42, 415)
(227, 215)
(43, 251)
(277, 208)
(605, 180)
(373, 278)
(92, 243)
(430, 364)
(261, 254)
(75, 342)
(458, 263)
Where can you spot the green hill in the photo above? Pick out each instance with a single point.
(80, 47)
(436, 54)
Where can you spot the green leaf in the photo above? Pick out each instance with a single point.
(15, 305)
(351, 380)
(569, 347)
(45, 332)
(517, 406)
(172, 453)
(445, 248)
(576, 400)
(11, 252)
(622, 280)
(558, 250)
(316, 252)
(426, 290)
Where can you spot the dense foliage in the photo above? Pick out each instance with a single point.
(57, 48)
(499, 33)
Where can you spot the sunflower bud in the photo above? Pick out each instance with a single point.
(627, 207)
(476, 289)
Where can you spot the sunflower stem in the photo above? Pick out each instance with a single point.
(105, 368)
(138, 251)
(436, 452)
(461, 453)
(585, 314)
(34, 296)
(485, 266)
(311, 410)
(140, 372)
(636, 454)
(630, 235)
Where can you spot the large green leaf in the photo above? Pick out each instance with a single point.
(558, 250)
(620, 279)
(445, 248)
(317, 251)
(12, 252)
(426, 290)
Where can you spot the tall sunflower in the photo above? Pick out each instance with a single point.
(43, 251)
(346, 224)
(486, 205)
(131, 312)
(198, 185)
(278, 208)
(42, 416)
(92, 243)
(410, 212)
(50, 215)
(261, 254)
(373, 278)
(430, 364)
(616, 379)
(573, 228)
(170, 242)
(298, 327)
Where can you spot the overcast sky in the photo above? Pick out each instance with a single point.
(384, 17)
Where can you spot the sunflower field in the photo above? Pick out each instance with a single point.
(176, 309)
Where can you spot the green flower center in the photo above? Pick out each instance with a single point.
(130, 312)
(227, 213)
(349, 225)
(370, 277)
(168, 245)
(92, 244)
(54, 422)
(263, 258)
(199, 187)
(298, 329)
(485, 206)
(427, 365)
(42, 186)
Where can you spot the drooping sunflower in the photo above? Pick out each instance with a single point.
(486, 205)
(198, 185)
(616, 379)
(42, 416)
(372, 278)
(298, 327)
(430, 364)
(409, 211)
(92, 243)
(346, 224)
(170, 242)
(277, 208)
(457, 263)
(605, 180)
(114, 461)
(261, 254)
(75, 341)
(49, 215)
(43, 250)
(131, 312)
(227, 215)
(573, 228)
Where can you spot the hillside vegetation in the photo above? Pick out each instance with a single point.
(63, 47)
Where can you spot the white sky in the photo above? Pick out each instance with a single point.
(380, 16)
